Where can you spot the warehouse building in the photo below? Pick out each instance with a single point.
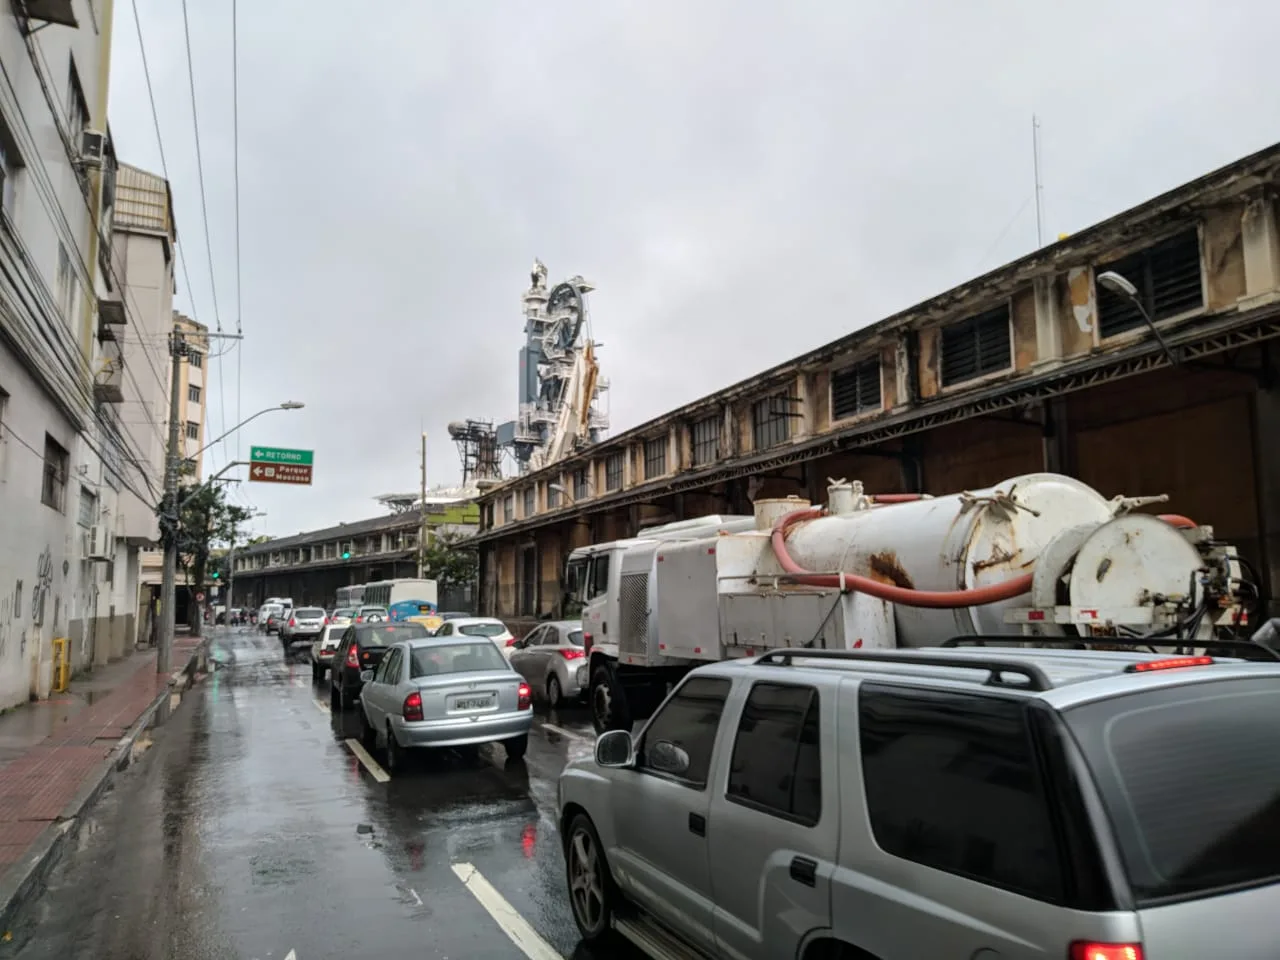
(1034, 366)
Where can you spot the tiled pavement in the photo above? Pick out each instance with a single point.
(39, 782)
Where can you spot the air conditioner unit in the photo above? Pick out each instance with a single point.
(100, 543)
(93, 147)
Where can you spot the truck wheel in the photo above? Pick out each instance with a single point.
(609, 708)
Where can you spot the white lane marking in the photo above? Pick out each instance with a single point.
(370, 764)
(566, 733)
(513, 925)
(290, 956)
(322, 706)
(415, 896)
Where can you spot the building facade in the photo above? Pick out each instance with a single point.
(193, 399)
(310, 567)
(1034, 366)
(65, 458)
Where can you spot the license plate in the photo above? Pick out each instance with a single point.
(473, 703)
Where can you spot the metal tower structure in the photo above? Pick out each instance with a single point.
(478, 447)
(560, 384)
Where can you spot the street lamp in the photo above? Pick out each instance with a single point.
(560, 489)
(169, 515)
(1116, 283)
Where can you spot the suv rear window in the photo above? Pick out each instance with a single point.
(308, 613)
(383, 634)
(1191, 783)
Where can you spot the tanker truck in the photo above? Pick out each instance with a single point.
(1040, 558)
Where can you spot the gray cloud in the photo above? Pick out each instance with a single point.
(742, 181)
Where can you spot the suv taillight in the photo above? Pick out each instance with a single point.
(293, 622)
(353, 657)
(1087, 950)
(525, 697)
(413, 706)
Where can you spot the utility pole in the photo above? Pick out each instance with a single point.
(169, 508)
(422, 513)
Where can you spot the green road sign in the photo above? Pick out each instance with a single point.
(280, 455)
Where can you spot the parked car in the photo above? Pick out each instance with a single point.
(305, 623)
(361, 649)
(495, 630)
(324, 649)
(370, 614)
(939, 803)
(269, 617)
(433, 692)
(551, 657)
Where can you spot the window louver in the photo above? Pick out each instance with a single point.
(975, 347)
(1168, 280)
(855, 389)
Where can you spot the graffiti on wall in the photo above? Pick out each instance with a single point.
(43, 584)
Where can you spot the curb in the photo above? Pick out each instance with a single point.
(24, 879)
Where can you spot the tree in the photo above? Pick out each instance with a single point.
(448, 563)
(204, 520)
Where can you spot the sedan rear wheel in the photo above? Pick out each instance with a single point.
(591, 891)
(395, 753)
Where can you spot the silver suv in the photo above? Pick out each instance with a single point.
(941, 803)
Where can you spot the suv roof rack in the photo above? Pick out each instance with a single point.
(1037, 679)
(1249, 650)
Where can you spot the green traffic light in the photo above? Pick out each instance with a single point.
(346, 554)
(216, 574)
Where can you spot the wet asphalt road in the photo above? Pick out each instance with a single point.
(249, 830)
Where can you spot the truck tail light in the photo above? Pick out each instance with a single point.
(573, 653)
(1087, 950)
(412, 706)
(525, 696)
(353, 658)
(587, 641)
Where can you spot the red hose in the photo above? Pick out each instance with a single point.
(908, 597)
(1179, 521)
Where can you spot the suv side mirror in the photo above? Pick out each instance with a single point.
(614, 748)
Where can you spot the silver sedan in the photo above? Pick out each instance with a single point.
(444, 692)
(551, 657)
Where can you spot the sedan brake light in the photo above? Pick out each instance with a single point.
(511, 642)
(413, 706)
(1081, 950)
(572, 653)
(353, 658)
(525, 696)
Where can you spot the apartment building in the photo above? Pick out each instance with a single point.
(65, 455)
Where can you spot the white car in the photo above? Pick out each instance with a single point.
(324, 648)
(489, 627)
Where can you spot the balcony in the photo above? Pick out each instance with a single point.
(110, 315)
(108, 380)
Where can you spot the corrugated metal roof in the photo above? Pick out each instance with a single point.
(143, 201)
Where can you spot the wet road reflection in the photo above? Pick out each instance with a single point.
(250, 829)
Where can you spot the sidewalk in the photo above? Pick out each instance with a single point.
(56, 754)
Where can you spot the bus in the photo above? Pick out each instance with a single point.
(389, 594)
(350, 596)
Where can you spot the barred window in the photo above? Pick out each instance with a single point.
(855, 389)
(193, 430)
(530, 501)
(581, 489)
(977, 346)
(706, 441)
(509, 508)
(613, 470)
(53, 492)
(771, 421)
(193, 393)
(655, 457)
(1168, 279)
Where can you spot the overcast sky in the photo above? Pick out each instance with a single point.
(742, 181)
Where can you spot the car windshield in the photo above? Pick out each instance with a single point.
(444, 658)
(308, 613)
(382, 634)
(1190, 782)
(482, 629)
(575, 637)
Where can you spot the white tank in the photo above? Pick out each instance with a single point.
(957, 542)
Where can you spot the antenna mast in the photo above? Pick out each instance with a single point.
(1035, 156)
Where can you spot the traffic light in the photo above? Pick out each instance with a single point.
(217, 574)
(346, 554)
